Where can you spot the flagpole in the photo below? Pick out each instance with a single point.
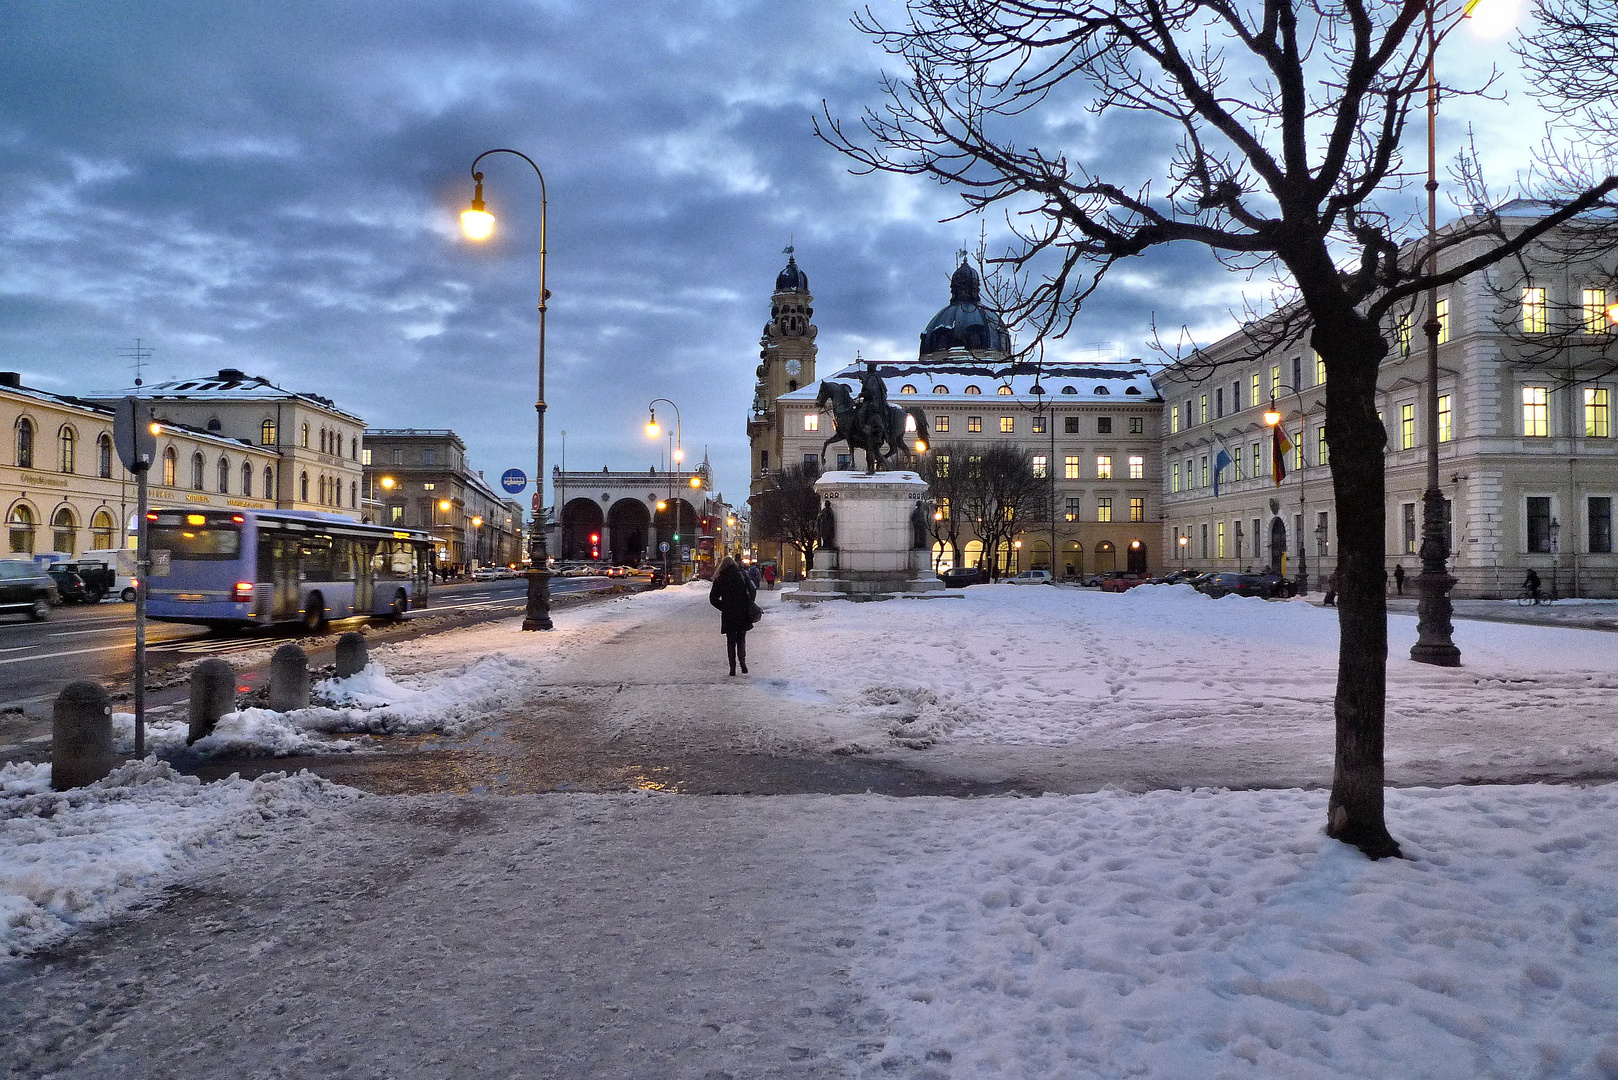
(1272, 417)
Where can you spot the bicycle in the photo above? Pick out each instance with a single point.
(1529, 596)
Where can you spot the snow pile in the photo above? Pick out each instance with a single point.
(1205, 933)
(75, 857)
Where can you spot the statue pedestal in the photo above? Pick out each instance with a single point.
(872, 559)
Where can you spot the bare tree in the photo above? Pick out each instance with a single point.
(1003, 498)
(1288, 116)
(944, 469)
(787, 511)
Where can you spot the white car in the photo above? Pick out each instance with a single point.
(485, 573)
(1032, 577)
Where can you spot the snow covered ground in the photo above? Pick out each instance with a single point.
(1159, 933)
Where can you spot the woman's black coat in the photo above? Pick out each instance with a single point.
(733, 595)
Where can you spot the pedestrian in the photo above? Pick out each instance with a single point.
(769, 575)
(1334, 581)
(753, 575)
(1399, 578)
(1530, 584)
(734, 596)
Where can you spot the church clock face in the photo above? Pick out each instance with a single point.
(793, 367)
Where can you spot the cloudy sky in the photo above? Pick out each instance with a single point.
(274, 186)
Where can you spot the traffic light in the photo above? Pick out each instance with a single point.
(676, 538)
(595, 545)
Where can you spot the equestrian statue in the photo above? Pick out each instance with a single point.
(869, 423)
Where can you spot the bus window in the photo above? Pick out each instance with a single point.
(315, 558)
(342, 561)
(185, 542)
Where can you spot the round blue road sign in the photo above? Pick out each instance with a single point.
(514, 480)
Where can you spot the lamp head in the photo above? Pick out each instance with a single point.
(661, 505)
(476, 222)
(1272, 415)
(477, 522)
(388, 482)
(652, 428)
(696, 481)
(679, 453)
(443, 504)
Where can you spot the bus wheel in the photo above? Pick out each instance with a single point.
(127, 596)
(314, 615)
(400, 602)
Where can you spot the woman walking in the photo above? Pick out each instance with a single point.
(733, 595)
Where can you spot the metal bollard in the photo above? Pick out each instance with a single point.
(351, 654)
(289, 679)
(213, 694)
(81, 735)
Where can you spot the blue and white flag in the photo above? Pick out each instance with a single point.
(1221, 462)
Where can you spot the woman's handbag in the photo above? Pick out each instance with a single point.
(754, 613)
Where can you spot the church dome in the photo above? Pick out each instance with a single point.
(792, 279)
(965, 323)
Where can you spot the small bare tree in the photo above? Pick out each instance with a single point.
(1288, 116)
(944, 469)
(1004, 498)
(787, 511)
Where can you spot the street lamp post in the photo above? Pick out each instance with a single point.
(1272, 417)
(443, 506)
(388, 483)
(477, 540)
(676, 455)
(1434, 641)
(478, 224)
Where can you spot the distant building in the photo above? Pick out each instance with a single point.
(786, 362)
(64, 489)
(316, 444)
(418, 478)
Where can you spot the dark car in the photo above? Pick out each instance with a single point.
(1264, 586)
(659, 579)
(98, 578)
(1180, 576)
(960, 577)
(70, 587)
(24, 587)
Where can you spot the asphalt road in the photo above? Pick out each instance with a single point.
(98, 641)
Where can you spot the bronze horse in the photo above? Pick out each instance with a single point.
(867, 425)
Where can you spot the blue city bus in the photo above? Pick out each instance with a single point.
(240, 568)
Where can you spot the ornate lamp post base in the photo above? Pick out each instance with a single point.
(1434, 644)
(538, 616)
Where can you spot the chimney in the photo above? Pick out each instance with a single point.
(11, 378)
(230, 374)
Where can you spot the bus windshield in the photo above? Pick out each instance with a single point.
(184, 542)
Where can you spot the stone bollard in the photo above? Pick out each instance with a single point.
(351, 654)
(213, 694)
(289, 679)
(81, 735)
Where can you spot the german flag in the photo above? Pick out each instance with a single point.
(1280, 446)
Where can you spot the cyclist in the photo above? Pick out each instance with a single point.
(1530, 585)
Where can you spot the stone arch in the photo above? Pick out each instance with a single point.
(679, 517)
(1106, 557)
(1072, 558)
(629, 525)
(1137, 557)
(1039, 556)
(580, 517)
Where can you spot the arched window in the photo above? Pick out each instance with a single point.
(269, 482)
(973, 390)
(104, 456)
(224, 476)
(25, 444)
(306, 435)
(940, 389)
(354, 449)
(303, 486)
(67, 442)
(1132, 390)
(321, 488)
(20, 523)
(65, 532)
(214, 425)
(353, 494)
(171, 467)
(247, 479)
(266, 433)
(1069, 390)
(1102, 391)
(907, 389)
(101, 531)
(1004, 391)
(197, 467)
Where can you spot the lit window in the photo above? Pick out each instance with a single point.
(907, 389)
(1103, 467)
(974, 423)
(1275, 380)
(811, 421)
(1137, 425)
(972, 389)
(1407, 426)
(910, 423)
(1322, 451)
(1203, 414)
(1595, 312)
(1104, 509)
(1443, 321)
(941, 423)
(1039, 425)
(306, 442)
(1236, 460)
(943, 466)
(1255, 395)
(1174, 421)
(1533, 310)
(1204, 472)
(1256, 466)
(940, 389)
(1072, 513)
(1004, 391)
(1596, 422)
(1219, 540)
(1041, 464)
(1137, 467)
(1446, 428)
(1008, 425)
(1320, 369)
(1137, 509)
(1535, 422)
(1070, 468)
(1174, 477)
(365, 456)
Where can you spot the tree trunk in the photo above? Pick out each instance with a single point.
(1353, 349)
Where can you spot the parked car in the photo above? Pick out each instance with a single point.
(70, 587)
(1122, 582)
(1032, 577)
(1265, 586)
(486, 573)
(960, 577)
(1180, 576)
(26, 588)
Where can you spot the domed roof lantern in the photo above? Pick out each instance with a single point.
(963, 285)
(965, 323)
(792, 279)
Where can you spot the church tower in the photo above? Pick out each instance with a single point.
(786, 362)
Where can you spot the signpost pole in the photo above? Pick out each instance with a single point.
(135, 436)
